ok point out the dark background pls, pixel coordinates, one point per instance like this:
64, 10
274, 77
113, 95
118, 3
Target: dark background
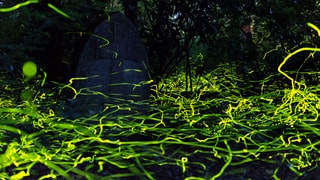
174, 32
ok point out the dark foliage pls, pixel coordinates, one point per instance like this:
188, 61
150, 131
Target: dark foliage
171, 29
38, 33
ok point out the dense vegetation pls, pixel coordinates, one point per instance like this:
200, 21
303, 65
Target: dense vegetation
38, 33
203, 121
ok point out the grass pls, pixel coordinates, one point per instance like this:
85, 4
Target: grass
223, 129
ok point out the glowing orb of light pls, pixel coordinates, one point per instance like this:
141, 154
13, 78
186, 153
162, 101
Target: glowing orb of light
29, 69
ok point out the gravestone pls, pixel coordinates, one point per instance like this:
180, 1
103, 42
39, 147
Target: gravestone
115, 64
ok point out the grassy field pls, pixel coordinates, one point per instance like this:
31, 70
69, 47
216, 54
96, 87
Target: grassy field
224, 129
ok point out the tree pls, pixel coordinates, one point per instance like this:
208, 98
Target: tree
170, 29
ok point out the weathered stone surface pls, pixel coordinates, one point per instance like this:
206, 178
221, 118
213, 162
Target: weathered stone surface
115, 61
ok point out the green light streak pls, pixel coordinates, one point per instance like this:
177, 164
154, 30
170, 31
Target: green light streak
26, 3
57, 169
44, 77
289, 56
107, 42
59, 11
228, 161
17, 6
314, 27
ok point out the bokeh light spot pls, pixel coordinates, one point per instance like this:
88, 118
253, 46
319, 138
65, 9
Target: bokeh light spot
29, 69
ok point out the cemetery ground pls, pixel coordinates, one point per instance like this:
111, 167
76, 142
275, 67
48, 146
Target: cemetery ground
226, 129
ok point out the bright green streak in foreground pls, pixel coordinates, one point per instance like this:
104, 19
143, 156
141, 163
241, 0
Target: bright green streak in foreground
17, 6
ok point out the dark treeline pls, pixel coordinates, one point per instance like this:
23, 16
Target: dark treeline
172, 30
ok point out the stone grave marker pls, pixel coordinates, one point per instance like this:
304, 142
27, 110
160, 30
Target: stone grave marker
115, 62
